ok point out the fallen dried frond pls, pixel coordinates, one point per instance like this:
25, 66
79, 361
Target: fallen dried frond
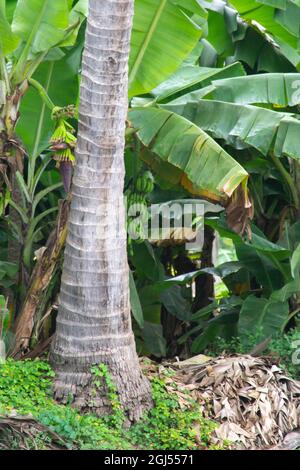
252, 398
25, 433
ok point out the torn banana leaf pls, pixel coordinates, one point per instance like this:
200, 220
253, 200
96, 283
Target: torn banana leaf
243, 126
182, 153
279, 89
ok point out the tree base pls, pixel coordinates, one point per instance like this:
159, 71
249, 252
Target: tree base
76, 384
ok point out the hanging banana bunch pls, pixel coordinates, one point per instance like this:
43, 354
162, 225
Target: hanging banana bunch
145, 183
137, 203
63, 143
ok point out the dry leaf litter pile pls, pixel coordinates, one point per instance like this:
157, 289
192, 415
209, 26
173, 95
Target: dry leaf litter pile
256, 404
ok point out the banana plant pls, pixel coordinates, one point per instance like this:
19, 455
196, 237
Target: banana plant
36, 45
253, 116
36, 34
263, 285
227, 109
41, 68
183, 153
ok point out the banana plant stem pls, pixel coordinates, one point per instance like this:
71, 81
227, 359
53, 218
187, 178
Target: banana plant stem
287, 178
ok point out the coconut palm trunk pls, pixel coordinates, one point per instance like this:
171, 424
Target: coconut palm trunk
94, 323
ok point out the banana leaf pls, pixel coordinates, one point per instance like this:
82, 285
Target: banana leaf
190, 77
242, 126
230, 35
76, 16
41, 23
277, 21
279, 89
184, 154
174, 23
281, 20
8, 40
263, 55
263, 317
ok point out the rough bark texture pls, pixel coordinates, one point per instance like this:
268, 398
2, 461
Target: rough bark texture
94, 323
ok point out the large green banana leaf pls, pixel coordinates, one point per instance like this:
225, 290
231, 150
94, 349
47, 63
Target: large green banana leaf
184, 154
164, 33
280, 19
41, 23
275, 19
8, 40
281, 89
190, 77
229, 35
186, 79
261, 316
243, 125
77, 14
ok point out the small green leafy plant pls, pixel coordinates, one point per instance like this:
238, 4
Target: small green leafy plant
101, 372
26, 388
169, 426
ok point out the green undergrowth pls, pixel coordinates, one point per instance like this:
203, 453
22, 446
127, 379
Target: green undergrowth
25, 388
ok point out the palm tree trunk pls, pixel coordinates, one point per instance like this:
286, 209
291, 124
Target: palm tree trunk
94, 323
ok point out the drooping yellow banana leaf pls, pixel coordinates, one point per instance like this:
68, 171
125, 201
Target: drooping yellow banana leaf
182, 153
